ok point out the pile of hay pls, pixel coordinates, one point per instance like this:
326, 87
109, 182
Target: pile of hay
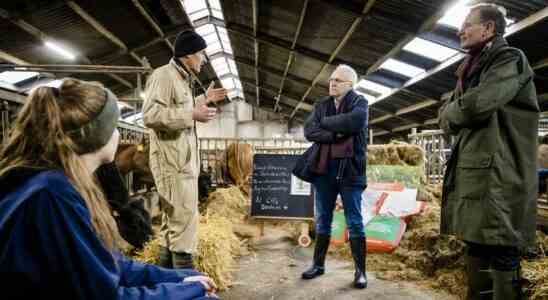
229, 203
240, 165
218, 244
217, 248
535, 271
395, 154
423, 255
150, 254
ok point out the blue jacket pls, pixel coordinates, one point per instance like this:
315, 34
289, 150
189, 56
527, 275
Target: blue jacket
48, 248
324, 127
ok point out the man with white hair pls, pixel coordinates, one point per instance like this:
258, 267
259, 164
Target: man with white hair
338, 126
490, 185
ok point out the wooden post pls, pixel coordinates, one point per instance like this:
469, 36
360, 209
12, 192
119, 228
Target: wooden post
304, 239
261, 226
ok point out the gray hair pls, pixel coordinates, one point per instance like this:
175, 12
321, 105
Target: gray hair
492, 12
350, 72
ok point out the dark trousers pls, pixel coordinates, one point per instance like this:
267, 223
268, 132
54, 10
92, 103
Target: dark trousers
501, 258
327, 188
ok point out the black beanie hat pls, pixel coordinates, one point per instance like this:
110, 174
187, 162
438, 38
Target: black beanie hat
188, 42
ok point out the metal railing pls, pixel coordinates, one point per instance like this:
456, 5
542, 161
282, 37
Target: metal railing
437, 151
213, 152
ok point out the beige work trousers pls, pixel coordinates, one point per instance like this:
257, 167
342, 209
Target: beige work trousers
180, 216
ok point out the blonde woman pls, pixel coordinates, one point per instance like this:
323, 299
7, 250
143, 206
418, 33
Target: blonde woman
56, 229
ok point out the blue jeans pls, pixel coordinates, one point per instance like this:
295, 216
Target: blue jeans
327, 188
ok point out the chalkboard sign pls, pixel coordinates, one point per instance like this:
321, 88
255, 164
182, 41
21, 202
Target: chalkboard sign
276, 193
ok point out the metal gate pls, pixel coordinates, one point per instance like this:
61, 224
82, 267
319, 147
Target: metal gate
437, 151
213, 152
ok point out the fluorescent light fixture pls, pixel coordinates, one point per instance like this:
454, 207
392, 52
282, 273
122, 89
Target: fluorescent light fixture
402, 68
429, 49
15, 77
142, 94
374, 87
60, 49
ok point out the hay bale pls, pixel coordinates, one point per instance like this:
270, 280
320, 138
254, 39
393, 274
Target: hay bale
396, 154
410, 176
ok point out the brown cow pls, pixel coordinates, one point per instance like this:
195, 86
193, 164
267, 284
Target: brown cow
135, 158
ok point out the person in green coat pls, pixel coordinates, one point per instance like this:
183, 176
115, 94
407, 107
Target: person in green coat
490, 184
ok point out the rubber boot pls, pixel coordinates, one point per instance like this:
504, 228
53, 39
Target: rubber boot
507, 285
320, 250
359, 251
480, 283
182, 260
165, 258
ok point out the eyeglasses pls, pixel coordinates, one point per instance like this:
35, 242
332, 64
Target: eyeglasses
337, 80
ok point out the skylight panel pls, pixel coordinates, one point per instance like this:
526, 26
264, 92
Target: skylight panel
205, 29
15, 77
215, 4
192, 6
198, 15
402, 68
374, 87
213, 48
455, 16
228, 83
429, 49
217, 14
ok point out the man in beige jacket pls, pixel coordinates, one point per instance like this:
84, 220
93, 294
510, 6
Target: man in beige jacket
170, 111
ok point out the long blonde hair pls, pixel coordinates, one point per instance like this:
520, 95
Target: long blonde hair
40, 138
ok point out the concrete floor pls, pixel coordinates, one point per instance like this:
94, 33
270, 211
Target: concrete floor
273, 272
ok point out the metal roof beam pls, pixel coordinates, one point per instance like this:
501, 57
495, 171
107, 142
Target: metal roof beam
282, 44
275, 72
38, 34
109, 58
427, 25
102, 30
446, 38
152, 23
12, 59
291, 100
404, 111
515, 28
291, 53
541, 64
339, 47
255, 8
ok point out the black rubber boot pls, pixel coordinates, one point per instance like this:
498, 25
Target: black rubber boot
480, 283
359, 247
182, 260
320, 250
165, 259
506, 285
